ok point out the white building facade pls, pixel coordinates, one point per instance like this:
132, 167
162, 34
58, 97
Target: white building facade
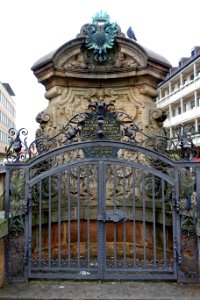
179, 95
7, 115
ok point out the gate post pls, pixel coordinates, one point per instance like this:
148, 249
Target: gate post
198, 218
3, 233
189, 269
15, 212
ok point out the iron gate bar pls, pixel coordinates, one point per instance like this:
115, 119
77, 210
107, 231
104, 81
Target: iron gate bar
101, 225
124, 206
59, 219
177, 222
78, 215
143, 219
49, 225
134, 217
174, 230
88, 215
154, 220
115, 225
69, 217
163, 222
40, 223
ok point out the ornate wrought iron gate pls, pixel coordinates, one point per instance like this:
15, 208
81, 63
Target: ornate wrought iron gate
101, 209
94, 218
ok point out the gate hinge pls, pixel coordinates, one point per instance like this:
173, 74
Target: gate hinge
116, 216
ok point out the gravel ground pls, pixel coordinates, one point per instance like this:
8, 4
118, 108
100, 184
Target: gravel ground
97, 290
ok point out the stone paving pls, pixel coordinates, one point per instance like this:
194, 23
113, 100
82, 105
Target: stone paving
97, 290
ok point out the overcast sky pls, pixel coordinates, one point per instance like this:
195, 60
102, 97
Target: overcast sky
31, 29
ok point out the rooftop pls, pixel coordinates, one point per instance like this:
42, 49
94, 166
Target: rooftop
183, 62
8, 88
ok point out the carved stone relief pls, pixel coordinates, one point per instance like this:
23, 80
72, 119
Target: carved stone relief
125, 61
65, 103
76, 62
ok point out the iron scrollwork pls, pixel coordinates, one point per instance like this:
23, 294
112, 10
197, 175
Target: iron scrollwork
101, 121
17, 149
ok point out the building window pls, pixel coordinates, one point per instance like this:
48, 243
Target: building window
4, 137
179, 110
198, 101
192, 52
7, 104
192, 77
184, 107
192, 104
6, 121
173, 112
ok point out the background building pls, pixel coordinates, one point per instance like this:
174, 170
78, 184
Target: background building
7, 115
179, 94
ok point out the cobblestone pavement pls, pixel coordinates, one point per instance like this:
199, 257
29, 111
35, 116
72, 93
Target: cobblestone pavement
97, 290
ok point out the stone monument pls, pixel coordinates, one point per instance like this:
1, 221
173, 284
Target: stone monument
100, 64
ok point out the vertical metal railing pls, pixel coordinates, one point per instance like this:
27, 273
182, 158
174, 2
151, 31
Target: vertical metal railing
134, 218
78, 218
69, 216
114, 206
59, 217
124, 209
144, 220
163, 222
88, 212
154, 223
40, 226
101, 225
49, 224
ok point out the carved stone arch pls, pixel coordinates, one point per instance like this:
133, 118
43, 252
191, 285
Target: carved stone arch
133, 50
66, 51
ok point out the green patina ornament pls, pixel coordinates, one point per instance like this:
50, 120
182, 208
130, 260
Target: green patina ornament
100, 36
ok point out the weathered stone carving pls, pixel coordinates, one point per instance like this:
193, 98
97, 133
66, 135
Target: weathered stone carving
125, 61
64, 104
76, 62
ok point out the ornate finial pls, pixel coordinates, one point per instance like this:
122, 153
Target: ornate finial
101, 17
14, 152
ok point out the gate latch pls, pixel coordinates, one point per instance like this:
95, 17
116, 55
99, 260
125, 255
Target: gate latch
116, 216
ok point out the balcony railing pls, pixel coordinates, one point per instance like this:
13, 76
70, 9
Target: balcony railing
179, 93
183, 117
